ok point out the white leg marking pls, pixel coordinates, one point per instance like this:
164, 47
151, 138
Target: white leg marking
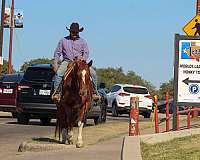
79, 138
83, 75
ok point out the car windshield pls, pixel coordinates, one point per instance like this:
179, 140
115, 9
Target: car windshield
11, 78
135, 90
39, 74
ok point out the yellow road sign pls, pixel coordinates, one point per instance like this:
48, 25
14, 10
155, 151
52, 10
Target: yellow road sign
192, 28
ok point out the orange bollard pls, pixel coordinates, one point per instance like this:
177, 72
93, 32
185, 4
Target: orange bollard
134, 116
167, 112
194, 112
177, 119
188, 118
156, 113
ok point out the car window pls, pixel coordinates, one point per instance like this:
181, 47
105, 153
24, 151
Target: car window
39, 74
135, 90
115, 88
11, 78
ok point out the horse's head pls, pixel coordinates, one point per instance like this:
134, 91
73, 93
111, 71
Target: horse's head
83, 77
78, 77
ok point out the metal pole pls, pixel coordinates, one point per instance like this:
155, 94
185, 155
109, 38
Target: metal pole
167, 112
198, 7
11, 39
1, 33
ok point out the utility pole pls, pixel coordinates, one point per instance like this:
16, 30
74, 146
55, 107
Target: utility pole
10, 69
198, 7
1, 34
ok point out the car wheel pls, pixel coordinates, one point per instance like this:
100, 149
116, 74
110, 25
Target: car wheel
147, 115
14, 114
103, 113
97, 120
85, 121
45, 121
114, 110
23, 118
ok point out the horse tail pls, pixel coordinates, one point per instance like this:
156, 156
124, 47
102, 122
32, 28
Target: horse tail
56, 129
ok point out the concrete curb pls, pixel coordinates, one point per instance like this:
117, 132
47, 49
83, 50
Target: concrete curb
167, 136
5, 114
131, 148
36, 147
131, 144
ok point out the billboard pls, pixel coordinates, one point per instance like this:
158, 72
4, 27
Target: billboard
187, 70
7, 17
18, 18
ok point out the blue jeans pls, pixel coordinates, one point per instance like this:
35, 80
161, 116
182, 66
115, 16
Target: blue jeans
62, 69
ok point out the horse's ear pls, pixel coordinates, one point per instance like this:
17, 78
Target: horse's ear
90, 63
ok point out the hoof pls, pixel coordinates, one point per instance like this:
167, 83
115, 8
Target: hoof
79, 145
70, 142
63, 142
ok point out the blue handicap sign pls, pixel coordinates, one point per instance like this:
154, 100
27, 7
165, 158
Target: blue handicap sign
194, 88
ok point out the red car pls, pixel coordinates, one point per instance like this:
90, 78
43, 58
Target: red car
8, 92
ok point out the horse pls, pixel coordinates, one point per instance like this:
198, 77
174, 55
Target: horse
77, 89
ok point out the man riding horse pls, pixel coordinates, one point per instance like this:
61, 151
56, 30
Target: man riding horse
70, 48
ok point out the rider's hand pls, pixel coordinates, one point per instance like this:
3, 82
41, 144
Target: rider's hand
55, 69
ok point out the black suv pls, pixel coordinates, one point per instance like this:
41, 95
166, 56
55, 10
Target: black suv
34, 97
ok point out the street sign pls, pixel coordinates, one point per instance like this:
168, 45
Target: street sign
187, 70
192, 28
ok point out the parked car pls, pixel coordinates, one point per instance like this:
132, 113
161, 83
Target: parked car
162, 106
8, 92
118, 99
35, 90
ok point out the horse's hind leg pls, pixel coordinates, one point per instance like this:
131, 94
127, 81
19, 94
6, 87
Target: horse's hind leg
79, 143
70, 136
64, 135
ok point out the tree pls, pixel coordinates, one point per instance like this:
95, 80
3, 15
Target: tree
35, 61
111, 76
166, 87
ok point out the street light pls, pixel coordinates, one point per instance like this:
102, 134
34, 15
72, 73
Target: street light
1, 34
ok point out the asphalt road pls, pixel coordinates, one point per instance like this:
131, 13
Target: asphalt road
12, 134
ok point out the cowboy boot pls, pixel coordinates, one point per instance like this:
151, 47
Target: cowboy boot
56, 96
95, 96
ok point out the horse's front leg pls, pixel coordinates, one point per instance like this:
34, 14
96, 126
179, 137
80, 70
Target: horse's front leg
79, 142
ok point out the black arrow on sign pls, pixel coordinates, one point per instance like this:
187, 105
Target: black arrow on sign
187, 81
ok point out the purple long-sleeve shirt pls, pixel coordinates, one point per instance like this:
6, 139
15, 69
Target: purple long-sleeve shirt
70, 49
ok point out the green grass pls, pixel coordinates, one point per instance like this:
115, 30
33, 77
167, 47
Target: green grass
96, 134
187, 148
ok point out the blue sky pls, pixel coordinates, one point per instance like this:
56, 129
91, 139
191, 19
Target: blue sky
136, 35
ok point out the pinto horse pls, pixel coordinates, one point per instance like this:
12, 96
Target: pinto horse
76, 99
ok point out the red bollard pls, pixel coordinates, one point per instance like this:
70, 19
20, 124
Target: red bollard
188, 118
156, 113
134, 117
194, 112
177, 119
167, 112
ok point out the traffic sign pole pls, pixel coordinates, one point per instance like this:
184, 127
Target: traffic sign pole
198, 7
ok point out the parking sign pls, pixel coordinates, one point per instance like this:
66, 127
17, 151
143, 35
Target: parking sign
187, 70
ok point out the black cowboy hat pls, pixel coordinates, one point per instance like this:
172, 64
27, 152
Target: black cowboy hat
75, 27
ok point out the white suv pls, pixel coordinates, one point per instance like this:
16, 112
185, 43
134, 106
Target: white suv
118, 99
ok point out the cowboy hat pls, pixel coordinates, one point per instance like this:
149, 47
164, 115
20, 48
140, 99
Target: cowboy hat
75, 27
